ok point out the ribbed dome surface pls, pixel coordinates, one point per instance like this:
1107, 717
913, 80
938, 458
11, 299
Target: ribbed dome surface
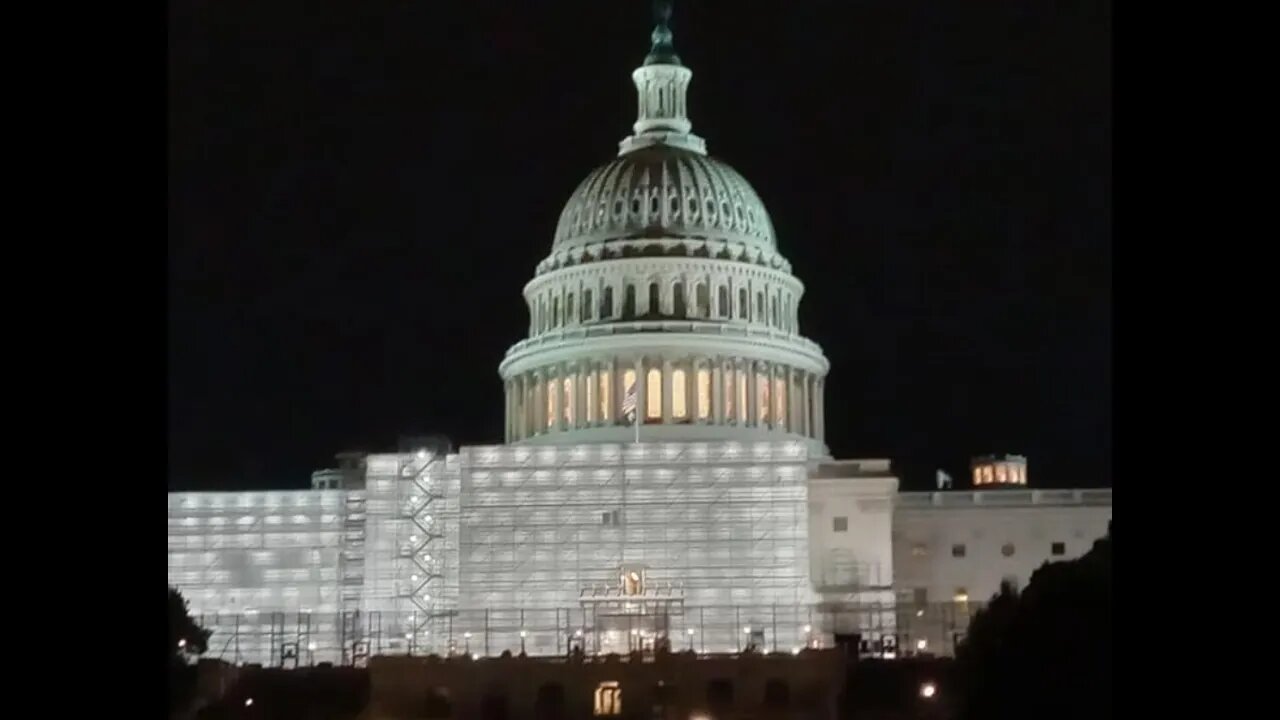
664, 192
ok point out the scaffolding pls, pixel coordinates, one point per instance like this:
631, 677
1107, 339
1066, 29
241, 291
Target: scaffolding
299, 639
714, 524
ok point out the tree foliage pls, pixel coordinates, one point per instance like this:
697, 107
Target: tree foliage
186, 639
1044, 653
185, 636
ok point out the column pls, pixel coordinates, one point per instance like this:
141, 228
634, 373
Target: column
521, 407
509, 412
752, 414
667, 389
642, 390
819, 421
804, 405
716, 367
558, 388
539, 405
619, 387
580, 394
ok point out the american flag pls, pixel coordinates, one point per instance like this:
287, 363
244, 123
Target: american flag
629, 401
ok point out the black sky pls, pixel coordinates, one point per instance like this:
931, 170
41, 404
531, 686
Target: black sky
359, 191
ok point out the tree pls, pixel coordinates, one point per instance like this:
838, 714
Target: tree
186, 638
1044, 653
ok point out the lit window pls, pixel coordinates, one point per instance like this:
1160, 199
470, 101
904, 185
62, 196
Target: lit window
977, 476
605, 394
1058, 548
957, 550
762, 397
608, 699
568, 400
961, 596
1002, 474
1007, 550
551, 404
780, 401
704, 393
653, 394
840, 524
679, 391
986, 473
591, 394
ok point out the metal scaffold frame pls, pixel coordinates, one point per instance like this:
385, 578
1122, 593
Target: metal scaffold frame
720, 523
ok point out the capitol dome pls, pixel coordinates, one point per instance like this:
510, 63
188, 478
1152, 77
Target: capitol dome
665, 192
664, 311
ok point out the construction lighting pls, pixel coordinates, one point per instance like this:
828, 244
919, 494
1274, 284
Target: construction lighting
928, 690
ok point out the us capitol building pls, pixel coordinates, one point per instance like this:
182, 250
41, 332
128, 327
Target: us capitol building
664, 477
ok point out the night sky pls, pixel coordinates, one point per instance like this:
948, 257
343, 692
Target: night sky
359, 191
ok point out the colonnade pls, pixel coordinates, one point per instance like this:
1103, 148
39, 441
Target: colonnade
686, 390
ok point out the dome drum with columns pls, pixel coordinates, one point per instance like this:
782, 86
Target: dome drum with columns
665, 279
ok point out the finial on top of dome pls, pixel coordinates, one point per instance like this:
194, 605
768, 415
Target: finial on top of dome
662, 52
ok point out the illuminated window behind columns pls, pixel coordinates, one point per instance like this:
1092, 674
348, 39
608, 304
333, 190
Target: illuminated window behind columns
569, 404
704, 393
762, 395
727, 393
653, 394
977, 476
608, 700
551, 403
780, 399
744, 411
679, 394
606, 394
592, 415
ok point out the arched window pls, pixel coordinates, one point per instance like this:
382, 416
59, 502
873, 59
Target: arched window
722, 297
568, 310
555, 312
677, 299
704, 393
743, 305
629, 303
655, 299
759, 307
679, 394
703, 308
653, 395
588, 306
606, 304
773, 310
608, 699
